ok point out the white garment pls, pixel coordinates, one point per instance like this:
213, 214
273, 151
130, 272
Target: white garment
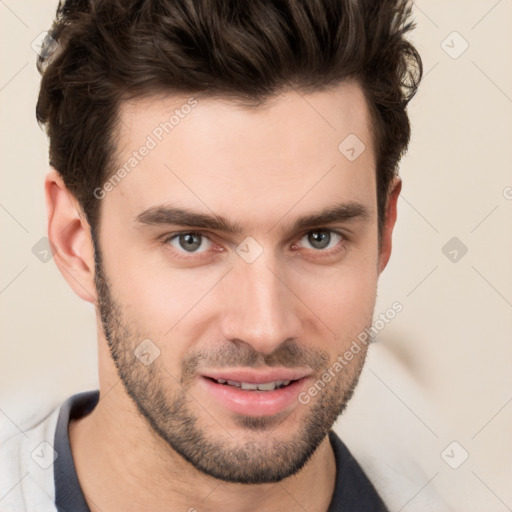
26, 466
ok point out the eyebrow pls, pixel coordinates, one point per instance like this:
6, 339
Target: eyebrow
170, 215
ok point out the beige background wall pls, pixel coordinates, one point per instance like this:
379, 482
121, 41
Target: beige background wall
441, 370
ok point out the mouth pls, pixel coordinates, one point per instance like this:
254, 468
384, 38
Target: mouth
255, 393
251, 386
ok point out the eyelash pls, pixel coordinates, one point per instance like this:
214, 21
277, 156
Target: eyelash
193, 255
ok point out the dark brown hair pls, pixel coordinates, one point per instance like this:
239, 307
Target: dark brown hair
109, 51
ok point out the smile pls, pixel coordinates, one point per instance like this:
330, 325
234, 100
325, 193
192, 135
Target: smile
254, 391
264, 386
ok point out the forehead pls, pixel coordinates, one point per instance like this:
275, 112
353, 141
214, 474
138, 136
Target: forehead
296, 151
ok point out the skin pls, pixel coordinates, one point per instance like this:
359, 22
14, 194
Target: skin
261, 168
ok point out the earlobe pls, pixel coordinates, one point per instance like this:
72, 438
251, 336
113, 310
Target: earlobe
69, 234
389, 222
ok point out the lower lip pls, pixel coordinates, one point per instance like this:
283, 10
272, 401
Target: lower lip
254, 403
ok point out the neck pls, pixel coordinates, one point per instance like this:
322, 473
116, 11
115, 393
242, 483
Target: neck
149, 475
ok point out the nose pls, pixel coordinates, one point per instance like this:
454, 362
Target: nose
261, 308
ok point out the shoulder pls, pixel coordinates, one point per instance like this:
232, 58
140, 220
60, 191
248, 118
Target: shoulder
27, 455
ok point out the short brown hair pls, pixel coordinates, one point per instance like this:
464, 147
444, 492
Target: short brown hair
244, 50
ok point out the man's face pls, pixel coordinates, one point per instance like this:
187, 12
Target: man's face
269, 303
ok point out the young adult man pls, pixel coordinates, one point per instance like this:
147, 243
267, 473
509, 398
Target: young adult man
223, 189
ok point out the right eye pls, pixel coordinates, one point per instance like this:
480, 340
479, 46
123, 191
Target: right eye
187, 241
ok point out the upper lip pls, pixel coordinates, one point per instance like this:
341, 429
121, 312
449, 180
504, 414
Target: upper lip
253, 376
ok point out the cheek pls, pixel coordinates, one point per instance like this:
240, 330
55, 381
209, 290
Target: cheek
343, 298
157, 298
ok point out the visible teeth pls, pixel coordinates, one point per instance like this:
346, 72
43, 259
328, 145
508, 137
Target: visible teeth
246, 385
265, 386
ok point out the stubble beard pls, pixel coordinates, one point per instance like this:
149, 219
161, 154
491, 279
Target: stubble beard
264, 459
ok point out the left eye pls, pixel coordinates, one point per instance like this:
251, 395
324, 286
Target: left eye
321, 238
189, 242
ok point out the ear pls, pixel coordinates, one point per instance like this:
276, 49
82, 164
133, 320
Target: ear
70, 237
389, 222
